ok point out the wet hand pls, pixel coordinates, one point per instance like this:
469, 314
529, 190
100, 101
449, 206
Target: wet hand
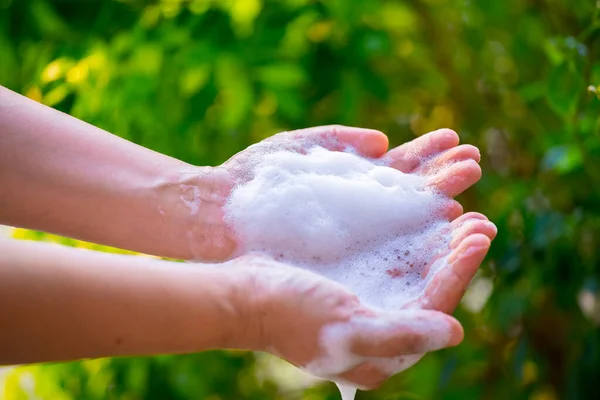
204, 191
319, 325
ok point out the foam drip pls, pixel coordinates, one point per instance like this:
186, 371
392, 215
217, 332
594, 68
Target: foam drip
354, 220
347, 392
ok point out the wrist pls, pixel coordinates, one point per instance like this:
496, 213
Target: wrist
191, 201
239, 311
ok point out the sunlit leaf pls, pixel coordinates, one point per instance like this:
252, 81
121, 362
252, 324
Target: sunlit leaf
56, 95
282, 75
193, 80
236, 92
147, 59
56, 70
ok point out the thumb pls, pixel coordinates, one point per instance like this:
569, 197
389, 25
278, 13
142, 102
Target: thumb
367, 142
414, 331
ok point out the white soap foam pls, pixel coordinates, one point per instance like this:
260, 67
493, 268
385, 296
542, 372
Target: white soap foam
347, 392
367, 226
354, 220
338, 358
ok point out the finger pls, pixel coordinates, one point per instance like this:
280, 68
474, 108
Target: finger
372, 374
408, 156
405, 332
451, 156
472, 227
366, 376
452, 211
449, 284
367, 142
456, 223
457, 178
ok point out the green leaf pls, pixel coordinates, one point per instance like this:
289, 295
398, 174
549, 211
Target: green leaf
56, 95
594, 90
193, 80
282, 75
564, 88
237, 94
533, 91
562, 159
147, 59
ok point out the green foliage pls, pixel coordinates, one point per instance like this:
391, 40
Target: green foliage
200, 80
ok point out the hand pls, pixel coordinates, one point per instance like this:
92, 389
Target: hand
291, 311
449, 168
471, 234
204, 191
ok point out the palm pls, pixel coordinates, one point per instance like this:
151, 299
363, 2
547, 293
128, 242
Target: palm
213, 238
292, 307
448, 168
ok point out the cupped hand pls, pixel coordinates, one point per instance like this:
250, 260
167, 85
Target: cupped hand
320, 326
449, 168
205, 191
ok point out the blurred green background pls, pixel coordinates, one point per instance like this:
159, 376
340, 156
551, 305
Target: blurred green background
201, 80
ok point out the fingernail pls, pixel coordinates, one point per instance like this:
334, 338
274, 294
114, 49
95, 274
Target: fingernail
457, 335
493, 226
447, 135
373, 143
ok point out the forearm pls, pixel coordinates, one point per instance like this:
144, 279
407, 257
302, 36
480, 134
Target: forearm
59, 303
61, 175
